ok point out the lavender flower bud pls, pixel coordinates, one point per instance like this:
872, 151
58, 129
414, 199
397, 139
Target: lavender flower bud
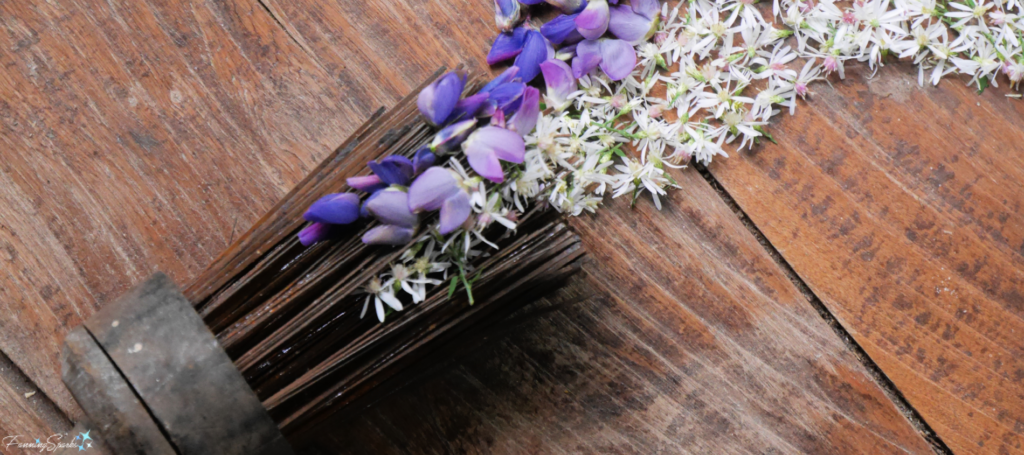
438, 99
452, 135
506, 14
340, 208
393, 170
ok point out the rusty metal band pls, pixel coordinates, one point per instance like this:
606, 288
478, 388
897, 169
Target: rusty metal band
150, 375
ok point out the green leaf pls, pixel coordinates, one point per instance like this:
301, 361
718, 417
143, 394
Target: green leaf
983, 84
452, 286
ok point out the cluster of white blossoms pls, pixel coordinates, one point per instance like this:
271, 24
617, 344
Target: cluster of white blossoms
715, 73
712, 74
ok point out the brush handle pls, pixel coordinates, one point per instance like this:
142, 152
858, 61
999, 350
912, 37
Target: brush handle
152, 379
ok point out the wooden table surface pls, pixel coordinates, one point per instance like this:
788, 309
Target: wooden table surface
856, 288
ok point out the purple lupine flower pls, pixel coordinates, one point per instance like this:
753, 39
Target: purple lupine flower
560, 83
525, 119
316, 232
535, 50
393, 170
338, 208
593, 21
398, 223
588, 57
507, 45
439, 189
452, 135
487, 146
438, 99
422, 160
628, 25
505, 77
506, 14
561, 29
366, 183
616, 57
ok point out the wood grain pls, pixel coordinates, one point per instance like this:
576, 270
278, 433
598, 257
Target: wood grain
684, 337
901, 208
140, 136
27, 412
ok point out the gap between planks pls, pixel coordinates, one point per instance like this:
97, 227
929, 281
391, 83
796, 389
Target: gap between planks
883, 381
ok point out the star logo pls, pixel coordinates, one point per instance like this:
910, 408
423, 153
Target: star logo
85, 436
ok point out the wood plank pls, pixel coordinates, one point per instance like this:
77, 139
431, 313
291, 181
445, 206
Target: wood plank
901, 208
27, 411
141, 136
684, 336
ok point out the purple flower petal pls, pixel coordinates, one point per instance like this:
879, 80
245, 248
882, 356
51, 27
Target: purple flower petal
593, 21
388, 235
454, 212
452, 135
339, 208
469, 107
506, 46
366, 183
393, 170
422, 160
437, 100
507, 96
617, 58
646, 8
392, 207
525, 119
315, 232
507, 76
559, 28
486, 163
506, 14
431, 188
489, 144
588, 56
535, 50
560, 82
531, 2
629, 26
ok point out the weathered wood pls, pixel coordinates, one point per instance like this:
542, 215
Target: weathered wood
684, 337
901, 208
135, 137
27, 411
116, 414
176, 367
